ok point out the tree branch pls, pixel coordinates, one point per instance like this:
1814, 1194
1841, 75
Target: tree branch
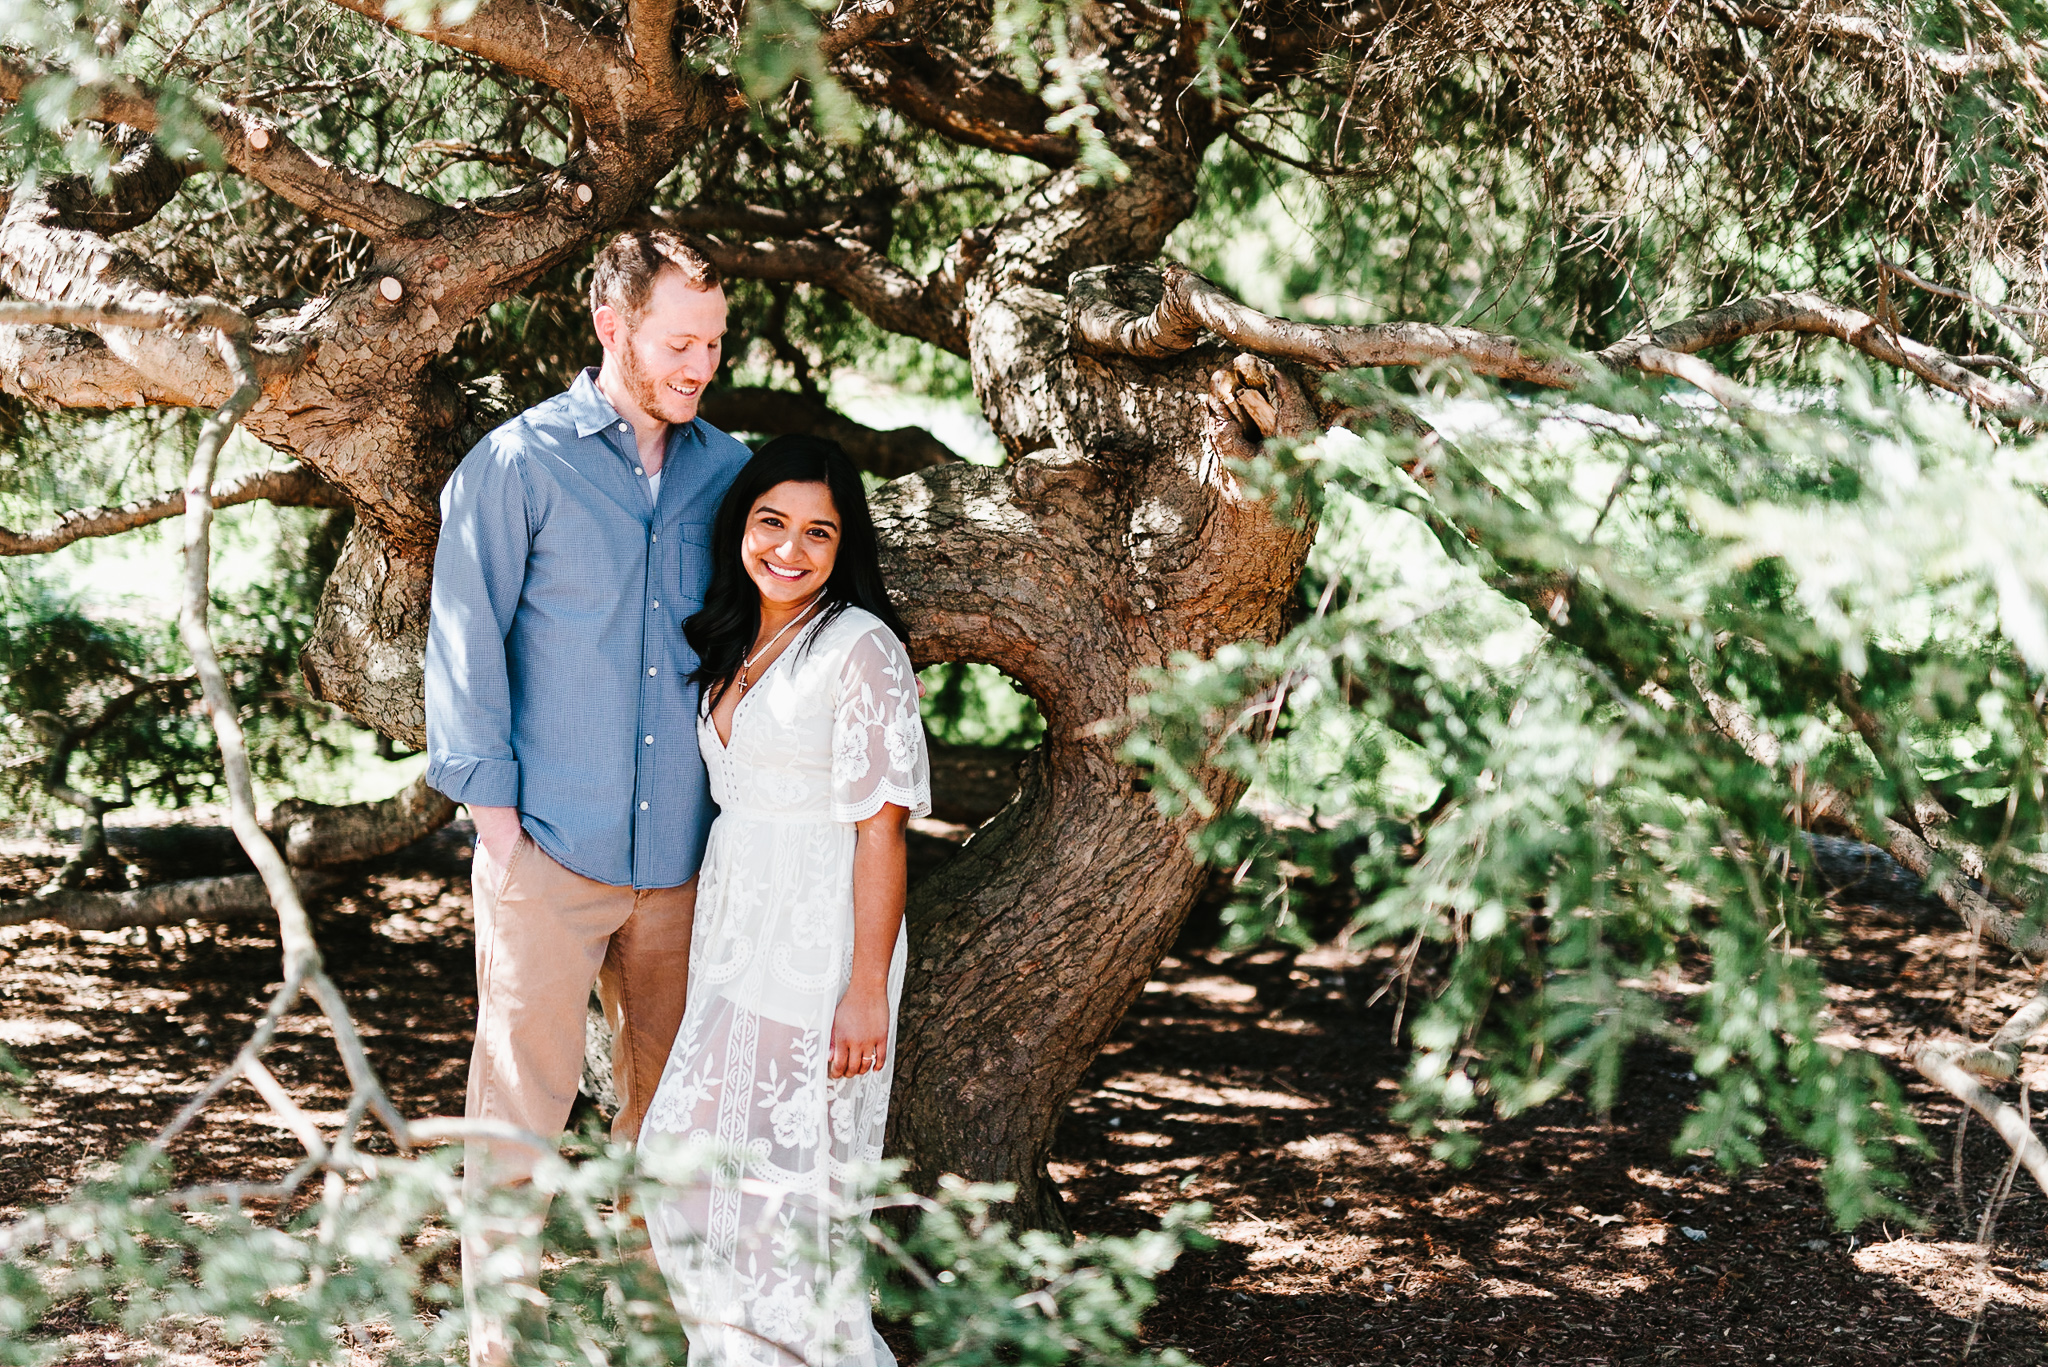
60, 367
860, 23
303, 970
1876, 33
866, 220
70, 276
537, 40
174, 315
927, 308
749, 219
1183, 305
1799, 311
141, 181
978, 108
776, 412
257, 147
294, 486
1948, 292
1136, 311
651, 37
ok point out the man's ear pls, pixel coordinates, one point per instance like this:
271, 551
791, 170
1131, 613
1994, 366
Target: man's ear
610, 334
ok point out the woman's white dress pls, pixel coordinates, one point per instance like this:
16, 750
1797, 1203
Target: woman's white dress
756, 1252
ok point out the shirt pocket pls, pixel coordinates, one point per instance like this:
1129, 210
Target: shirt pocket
693, 564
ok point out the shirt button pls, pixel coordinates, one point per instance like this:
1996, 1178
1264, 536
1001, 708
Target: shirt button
625, 426
657, 602
643, 806
639, 470
650, 740
655, 537
650, 671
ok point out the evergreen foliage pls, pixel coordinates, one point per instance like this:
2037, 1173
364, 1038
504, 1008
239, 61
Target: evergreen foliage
361, 1267
1499, 710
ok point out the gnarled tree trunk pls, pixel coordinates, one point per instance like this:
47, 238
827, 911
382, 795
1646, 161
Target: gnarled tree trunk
1116, 537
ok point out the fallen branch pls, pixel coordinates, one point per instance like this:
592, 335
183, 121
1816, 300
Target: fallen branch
1983, 916
237, 897
318, 836
1937, 1062
1920, 851
314, 837
294, 486
2000, 1058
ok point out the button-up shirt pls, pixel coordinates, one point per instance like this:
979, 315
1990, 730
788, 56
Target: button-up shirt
556, 665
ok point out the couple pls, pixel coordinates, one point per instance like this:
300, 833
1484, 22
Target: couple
638, 626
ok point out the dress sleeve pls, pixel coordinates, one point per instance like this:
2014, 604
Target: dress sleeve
878, 748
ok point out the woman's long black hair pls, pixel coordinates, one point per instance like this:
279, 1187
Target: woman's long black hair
723, 632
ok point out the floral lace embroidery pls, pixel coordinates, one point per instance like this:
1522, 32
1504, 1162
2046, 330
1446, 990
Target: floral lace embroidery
758, 1253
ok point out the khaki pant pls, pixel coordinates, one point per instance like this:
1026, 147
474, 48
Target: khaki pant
544, 936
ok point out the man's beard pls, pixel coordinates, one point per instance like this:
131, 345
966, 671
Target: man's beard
655, 400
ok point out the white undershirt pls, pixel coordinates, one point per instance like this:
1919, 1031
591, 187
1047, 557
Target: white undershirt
654, 485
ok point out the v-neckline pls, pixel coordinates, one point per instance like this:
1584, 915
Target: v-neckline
725, 741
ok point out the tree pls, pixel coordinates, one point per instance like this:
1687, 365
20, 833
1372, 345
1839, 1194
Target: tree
397, 201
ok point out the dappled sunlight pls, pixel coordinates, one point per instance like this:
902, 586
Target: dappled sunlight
1574, 1237
1952, 1277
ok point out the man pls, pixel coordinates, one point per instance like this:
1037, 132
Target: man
574, 541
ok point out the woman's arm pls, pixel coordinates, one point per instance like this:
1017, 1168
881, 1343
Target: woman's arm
860, 1027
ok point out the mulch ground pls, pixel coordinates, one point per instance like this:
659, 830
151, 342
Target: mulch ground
1261, 1084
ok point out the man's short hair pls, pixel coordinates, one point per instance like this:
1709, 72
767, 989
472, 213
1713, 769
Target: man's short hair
624, 273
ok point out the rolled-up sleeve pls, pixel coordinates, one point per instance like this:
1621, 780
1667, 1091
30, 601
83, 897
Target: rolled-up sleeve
479, 572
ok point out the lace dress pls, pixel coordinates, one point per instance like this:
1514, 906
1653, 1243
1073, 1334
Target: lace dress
757, 1252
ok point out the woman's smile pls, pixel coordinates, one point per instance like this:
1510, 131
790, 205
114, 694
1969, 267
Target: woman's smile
791, 539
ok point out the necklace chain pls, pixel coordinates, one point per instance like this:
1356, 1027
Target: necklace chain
748, 662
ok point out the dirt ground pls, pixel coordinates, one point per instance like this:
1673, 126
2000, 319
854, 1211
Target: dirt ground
1262, 1085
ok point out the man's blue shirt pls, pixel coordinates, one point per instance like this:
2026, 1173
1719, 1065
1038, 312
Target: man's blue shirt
556, 663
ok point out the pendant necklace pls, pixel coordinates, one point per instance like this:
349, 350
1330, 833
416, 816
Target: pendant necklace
748, 663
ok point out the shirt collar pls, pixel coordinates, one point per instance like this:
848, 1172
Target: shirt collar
592, 412
589, 409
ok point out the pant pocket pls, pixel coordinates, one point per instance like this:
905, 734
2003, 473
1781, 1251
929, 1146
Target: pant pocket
519, 847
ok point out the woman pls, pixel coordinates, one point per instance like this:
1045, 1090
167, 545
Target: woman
809, 727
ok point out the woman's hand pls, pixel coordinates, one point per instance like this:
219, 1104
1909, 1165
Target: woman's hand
860, 1031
